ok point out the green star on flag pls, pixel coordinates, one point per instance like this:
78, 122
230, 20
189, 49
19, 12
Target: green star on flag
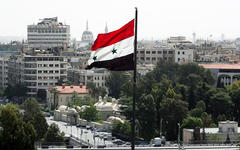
95, 58
114, 51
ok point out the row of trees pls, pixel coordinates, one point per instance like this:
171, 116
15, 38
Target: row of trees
21, 127
172, 94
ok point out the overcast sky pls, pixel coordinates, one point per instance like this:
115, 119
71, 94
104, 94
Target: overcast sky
158, 19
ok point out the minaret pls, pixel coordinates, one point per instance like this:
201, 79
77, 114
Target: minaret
87, 26
106, 28
194, 37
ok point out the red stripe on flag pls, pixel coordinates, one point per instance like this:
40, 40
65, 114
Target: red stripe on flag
107, 39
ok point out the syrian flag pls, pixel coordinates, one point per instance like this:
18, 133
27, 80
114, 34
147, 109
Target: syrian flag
114, 50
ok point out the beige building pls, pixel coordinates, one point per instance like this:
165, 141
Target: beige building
216, 135
65, 94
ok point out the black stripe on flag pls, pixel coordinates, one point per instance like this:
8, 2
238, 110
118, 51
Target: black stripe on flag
118, 64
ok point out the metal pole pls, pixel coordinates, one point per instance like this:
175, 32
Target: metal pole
178, 135
134, 82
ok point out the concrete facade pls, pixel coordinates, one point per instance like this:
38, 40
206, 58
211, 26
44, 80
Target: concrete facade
48, 33
39, 71
3, 72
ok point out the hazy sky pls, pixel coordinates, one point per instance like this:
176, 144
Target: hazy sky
158, 19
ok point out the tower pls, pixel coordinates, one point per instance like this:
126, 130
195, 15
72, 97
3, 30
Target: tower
194, 37
87, 26
222, 37
106, 28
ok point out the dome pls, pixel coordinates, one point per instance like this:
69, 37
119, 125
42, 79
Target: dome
87, 33
104, 106
62, 108
112, 119
72, 111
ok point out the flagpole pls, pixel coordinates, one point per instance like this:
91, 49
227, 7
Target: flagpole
134, 82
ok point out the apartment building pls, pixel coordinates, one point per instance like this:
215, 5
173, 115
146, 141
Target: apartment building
15, 69
37, 72
97, 76
3, 72
43, 71
48, 33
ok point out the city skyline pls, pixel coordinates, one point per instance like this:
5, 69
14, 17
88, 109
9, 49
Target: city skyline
157, 19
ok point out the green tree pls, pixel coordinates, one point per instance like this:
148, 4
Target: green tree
55, 93
122, 129
95, 91
146, 116
192, 122
220, 103
200, 108
173, 110
33, 115
234, 93
15, 134
207, 119
90, 114
18, 90
54, 136
42, 94
114, 83
80, 101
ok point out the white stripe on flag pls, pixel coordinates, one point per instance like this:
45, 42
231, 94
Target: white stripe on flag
123, 48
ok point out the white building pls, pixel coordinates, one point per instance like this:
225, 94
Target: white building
97, 76
3, 72
226, 129
48, 33
183, 55
43, 71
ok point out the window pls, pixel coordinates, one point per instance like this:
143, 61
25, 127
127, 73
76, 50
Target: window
56, 65
51, 71
39, 84
153, 58
50, 65
164, 52
45, 65
178, 59
159, 52
170, 52
45, 71
141, 52
178, 53
142, 58
45, 84
183, 52
147, 52
153, 52
56, 71
147, 58
39, 71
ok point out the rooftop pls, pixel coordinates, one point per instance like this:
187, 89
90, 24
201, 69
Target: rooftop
220, 66
81, 89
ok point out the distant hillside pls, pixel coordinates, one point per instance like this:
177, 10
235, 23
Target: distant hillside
7, 39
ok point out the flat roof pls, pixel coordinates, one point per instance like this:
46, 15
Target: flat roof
220, 66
